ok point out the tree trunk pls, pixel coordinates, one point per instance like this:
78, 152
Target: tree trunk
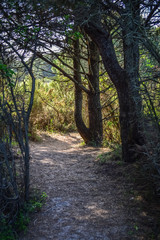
131, 132
94, 105
93, 134
132, 97
81, 127
127, 89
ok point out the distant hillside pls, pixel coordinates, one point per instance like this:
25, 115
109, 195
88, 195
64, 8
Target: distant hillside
42, 69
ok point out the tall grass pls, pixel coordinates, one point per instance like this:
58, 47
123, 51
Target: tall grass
53, 108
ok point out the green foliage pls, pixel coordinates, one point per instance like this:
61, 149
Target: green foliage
10, 231
110, 112
6, 231
6, 71
21, 222
115, 155
36, 202
74, 34
53, 107
34, 205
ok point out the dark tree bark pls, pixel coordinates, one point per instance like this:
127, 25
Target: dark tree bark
81, 127
126, 85
132, 96
94, 105
94, 133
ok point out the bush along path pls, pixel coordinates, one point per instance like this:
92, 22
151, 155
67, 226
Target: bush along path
85, 201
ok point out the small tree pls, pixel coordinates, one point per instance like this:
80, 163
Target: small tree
16, 100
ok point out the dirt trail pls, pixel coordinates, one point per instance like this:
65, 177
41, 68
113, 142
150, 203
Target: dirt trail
83, 203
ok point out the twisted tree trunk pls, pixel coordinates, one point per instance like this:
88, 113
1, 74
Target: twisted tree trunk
94, 133
94, 105
126, 83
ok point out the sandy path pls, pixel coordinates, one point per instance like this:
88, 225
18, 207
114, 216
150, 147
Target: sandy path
83, 203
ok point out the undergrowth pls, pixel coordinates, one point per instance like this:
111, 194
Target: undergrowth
139, 189
11, 230
53, 108
114, 155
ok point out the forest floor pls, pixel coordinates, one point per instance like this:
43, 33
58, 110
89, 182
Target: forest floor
86, 200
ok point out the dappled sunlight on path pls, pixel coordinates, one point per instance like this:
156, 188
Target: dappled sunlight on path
82, 203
